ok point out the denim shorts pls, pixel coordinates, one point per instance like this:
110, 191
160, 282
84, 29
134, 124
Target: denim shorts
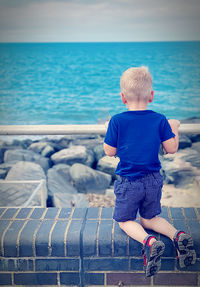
143, 194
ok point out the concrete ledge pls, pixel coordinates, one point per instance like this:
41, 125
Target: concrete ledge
80, 247
75, 129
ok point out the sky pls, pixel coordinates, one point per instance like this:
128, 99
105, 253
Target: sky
99, 20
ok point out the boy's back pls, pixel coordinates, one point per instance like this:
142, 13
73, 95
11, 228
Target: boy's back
137, 135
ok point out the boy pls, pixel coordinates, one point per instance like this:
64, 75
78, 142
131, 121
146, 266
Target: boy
135, 136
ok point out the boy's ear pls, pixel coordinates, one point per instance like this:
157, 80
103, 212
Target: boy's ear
123, 98
151, 97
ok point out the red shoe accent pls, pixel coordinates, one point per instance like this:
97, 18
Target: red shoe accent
146, 242
145, 260
181, 232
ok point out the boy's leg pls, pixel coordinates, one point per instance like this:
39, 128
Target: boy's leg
135, 230
183, 242
159, 225
152, 248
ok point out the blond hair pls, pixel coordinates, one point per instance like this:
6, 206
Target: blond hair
136, 84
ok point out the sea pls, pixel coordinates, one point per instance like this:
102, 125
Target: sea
79, 83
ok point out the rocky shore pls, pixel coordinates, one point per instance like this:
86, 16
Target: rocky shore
78, 173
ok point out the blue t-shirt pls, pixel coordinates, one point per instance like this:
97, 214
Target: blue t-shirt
137, 135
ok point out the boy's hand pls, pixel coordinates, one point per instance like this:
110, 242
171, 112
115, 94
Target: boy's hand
107, 123
174, 123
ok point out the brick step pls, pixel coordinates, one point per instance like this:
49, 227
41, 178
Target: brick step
85, 246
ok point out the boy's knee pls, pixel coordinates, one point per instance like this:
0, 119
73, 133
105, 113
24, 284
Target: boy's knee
145, 222
121, 225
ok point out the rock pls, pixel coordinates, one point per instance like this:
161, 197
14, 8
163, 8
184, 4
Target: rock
192, 156
89, 142
47, 151
63, 170
98, 152
21, 194
196, 146
70, 200
194, 137
4, 146
88, 180
59, 144
25, 171
26, 155
108, 164
180, 178
42, 148
7, 166
184, 142
178, 172
71, 155
57, 183
3, 173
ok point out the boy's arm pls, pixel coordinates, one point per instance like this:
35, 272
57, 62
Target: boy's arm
109, 150
171, 145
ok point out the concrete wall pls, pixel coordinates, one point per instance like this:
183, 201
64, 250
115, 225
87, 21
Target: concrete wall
84, 246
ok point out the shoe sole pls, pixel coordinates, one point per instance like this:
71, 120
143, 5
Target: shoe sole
154, 263
186, 248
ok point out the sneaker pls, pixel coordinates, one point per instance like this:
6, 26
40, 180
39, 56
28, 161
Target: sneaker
152, 255
184, 245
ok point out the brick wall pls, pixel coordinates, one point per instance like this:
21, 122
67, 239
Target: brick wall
80, 247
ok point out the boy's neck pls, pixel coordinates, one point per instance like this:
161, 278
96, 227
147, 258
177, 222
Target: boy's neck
137, 106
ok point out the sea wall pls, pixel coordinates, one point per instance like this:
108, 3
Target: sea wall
75, 165
85, 247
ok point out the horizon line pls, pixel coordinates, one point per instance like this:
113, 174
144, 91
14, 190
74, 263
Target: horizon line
95, 42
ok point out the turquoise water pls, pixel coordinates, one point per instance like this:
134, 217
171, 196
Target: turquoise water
78, 83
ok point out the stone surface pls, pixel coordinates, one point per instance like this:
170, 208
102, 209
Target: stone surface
18, 194
184, 142
88, 180
108, 164
63, 170
58, 183
70, 155
7, 166
26, 171
26, 155
3, 173
98, 152
192, 156
42, 148
196, 146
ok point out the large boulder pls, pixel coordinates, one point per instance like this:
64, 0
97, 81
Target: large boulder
42, 148
26, 155
88, 180
26, 171
61, 189
21, 194
73, 155
196, 146
7, 165
184, 142
98, 152
192, 156
177, 171
57, 182
108, 164
3, 173
63, 170
58, 143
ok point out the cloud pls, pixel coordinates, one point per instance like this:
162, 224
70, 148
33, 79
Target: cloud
111, 20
